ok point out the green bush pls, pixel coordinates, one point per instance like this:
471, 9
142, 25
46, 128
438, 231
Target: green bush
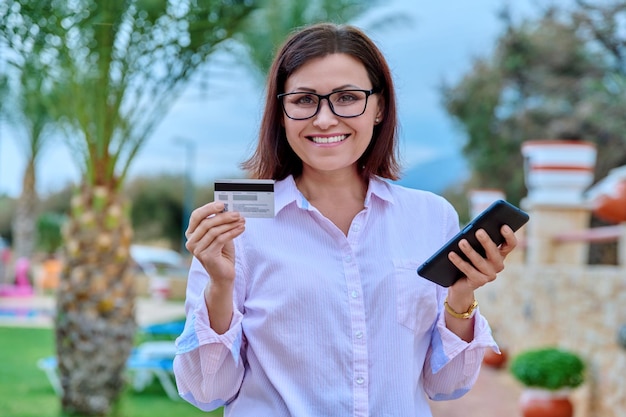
49, 236
549, 368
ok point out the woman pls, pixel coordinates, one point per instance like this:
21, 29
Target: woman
319, 311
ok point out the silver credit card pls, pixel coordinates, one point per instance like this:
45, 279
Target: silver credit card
251, 198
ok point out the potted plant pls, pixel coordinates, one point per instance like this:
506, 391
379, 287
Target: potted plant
494, 359
548, 374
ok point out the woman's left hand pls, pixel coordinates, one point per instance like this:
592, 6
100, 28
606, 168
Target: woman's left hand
482, 270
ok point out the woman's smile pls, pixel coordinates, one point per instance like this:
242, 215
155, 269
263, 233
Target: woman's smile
326, 139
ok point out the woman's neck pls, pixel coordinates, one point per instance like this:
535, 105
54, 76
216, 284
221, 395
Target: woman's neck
339, 197
332, 186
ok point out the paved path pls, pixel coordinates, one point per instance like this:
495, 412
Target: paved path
495, 394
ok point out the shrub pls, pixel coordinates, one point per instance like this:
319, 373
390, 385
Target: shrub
549, 368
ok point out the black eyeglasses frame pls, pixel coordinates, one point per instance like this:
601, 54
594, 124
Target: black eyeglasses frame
326, 97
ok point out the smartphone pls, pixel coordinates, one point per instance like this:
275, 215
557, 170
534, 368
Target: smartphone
438, 267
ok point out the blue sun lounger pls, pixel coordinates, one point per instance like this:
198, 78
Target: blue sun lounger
148, 361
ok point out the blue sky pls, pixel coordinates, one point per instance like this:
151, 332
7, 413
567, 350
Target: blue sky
222, 123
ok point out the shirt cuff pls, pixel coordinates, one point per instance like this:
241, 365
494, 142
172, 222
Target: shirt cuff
450, 345
198, 332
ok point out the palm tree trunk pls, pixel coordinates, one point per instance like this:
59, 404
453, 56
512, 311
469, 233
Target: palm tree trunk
95, 323
25, 213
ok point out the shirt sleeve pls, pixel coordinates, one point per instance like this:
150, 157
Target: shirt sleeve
208, 366
452, 364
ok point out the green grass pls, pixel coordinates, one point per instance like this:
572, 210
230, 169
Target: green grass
26, 392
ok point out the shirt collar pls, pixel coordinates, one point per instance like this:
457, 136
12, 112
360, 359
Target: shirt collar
286, 192
380, 188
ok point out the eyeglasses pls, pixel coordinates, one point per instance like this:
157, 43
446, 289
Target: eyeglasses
343, 103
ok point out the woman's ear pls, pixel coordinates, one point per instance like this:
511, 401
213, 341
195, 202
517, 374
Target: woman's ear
380, 110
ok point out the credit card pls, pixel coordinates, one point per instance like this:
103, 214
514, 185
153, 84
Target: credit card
251, 198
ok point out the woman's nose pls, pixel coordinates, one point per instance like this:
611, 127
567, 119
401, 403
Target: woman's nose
325, 116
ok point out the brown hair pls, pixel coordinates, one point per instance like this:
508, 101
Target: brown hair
273, 157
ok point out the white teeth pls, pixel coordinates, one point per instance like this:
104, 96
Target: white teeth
331, 139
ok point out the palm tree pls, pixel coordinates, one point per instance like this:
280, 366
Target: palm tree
32, 114
269, 25
120, 66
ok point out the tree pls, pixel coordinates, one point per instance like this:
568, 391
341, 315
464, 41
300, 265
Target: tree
268, 26
157, 207
36, 120
603, 29
560, 76
120, 66
24, 107
49, 226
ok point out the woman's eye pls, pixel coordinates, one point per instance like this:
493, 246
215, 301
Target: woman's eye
304, 100
346, 98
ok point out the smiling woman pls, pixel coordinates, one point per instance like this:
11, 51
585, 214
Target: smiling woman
328, 286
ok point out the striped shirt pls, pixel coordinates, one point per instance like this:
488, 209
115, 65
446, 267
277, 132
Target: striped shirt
329, 325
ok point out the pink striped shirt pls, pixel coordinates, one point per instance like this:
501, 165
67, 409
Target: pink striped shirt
328, 325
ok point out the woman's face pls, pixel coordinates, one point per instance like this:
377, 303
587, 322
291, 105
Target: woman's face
327, 142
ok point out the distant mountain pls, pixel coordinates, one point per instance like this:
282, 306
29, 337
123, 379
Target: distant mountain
436, 175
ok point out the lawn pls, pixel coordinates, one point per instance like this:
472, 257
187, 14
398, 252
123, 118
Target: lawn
26, 392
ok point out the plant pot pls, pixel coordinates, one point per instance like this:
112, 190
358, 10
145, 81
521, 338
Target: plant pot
558, 171
543, 403
495, 360
612, 207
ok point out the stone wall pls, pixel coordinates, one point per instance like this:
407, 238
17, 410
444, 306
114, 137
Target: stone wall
578, 307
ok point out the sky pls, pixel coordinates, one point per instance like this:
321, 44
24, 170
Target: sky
207, 134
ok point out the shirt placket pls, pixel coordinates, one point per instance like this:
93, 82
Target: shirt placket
360, 376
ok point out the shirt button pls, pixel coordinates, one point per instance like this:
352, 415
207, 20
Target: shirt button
354, 294
356, 228
359, 335
348, 259
360, 380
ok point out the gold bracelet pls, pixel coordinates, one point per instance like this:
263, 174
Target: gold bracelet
467, 315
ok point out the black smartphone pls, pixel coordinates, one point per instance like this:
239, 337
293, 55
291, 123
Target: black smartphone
438, 267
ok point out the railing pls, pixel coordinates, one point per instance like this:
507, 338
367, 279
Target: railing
603, 234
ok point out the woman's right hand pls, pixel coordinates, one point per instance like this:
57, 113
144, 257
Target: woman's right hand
210, 237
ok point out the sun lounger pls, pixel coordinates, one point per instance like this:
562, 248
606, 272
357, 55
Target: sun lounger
169, 329
49, 366
148, 361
